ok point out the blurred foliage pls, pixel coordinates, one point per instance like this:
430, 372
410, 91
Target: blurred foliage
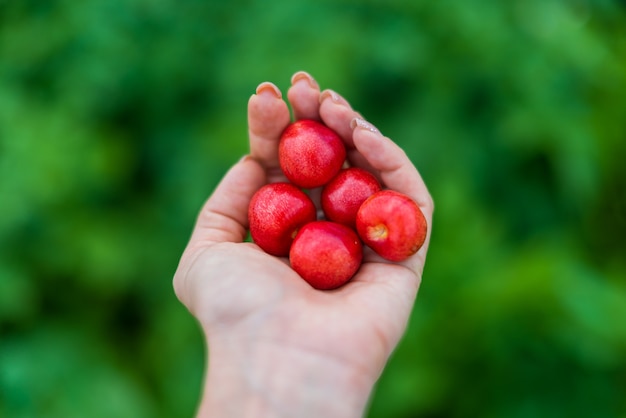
118, 117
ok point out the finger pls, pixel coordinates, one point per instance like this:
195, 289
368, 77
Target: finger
268, 116
356, 159
224, 217
394, 166
336, 113
304, 96
397, 172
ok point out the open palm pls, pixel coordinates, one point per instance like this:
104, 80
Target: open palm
252, 305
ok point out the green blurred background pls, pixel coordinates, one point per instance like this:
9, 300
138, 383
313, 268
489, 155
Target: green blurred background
118, 117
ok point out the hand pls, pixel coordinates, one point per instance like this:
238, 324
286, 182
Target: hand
278, 347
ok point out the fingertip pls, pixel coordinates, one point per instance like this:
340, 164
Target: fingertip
337, 113
396, 170
303, 95
333, 96
268, 116
308, 78
224, 216
371, 143
268, 88
359, 122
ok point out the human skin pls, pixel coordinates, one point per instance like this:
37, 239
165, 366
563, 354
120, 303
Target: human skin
277, 347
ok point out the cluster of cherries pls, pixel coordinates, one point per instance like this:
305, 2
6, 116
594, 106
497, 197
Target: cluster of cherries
328, 251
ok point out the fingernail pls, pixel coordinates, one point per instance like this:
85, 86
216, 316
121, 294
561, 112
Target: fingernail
303, 75
362, 123
330, 93
245, 158
269, 88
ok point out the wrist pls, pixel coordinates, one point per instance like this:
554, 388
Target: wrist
269, 379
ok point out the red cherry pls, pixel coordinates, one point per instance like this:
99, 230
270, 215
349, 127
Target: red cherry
276, 213
310, 153
344, 194
326, 254
392, 225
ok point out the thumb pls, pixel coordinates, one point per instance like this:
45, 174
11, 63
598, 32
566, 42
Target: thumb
224, 217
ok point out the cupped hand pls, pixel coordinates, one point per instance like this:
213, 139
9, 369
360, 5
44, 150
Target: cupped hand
257, 312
